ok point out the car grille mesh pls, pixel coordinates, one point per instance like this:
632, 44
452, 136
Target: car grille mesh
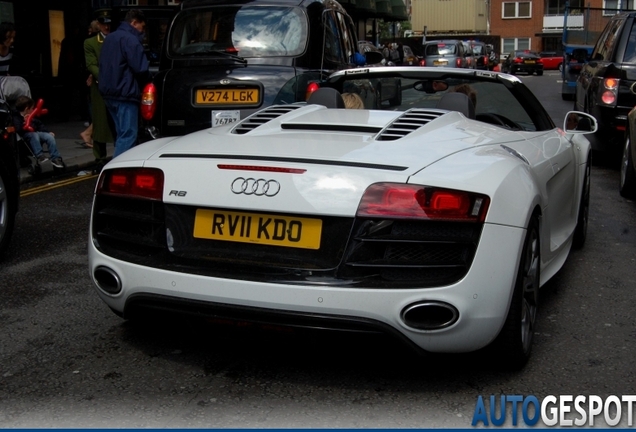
408, 122
354, 252
414, 254
262, 117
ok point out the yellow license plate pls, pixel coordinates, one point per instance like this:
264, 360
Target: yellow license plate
227, 96
529, 62
440, 62
257, 228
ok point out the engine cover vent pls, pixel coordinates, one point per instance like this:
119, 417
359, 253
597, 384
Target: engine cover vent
261, 117
408, 122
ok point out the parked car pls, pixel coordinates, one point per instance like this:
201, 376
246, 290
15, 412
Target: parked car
222, 61
574, 57
469, 55
444, 53
9, 175
435, 221
603, 86
551, 60
627, 186
480, 53
522, 61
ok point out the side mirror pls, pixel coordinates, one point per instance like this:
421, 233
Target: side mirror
577, 122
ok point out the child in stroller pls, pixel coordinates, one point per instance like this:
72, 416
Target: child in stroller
12, 88
35, 134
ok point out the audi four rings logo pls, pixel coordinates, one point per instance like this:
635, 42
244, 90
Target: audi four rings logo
258, 187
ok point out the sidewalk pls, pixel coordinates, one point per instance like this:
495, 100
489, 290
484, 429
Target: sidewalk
69, 143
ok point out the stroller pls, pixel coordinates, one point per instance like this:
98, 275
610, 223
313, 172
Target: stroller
12, 87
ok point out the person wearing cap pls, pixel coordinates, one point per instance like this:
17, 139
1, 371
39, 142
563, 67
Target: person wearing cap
102, 131
123, 70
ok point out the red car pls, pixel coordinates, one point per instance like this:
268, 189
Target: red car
551, 60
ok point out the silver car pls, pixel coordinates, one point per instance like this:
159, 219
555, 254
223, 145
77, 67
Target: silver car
445, 53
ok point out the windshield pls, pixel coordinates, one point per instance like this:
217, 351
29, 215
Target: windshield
248, 31
441, 49
478, 49
491, 98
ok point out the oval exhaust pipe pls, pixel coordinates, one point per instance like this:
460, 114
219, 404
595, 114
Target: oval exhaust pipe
429, 315
107, 280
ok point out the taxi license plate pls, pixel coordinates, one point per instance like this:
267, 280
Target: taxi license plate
440, 62
220, 118
226, 96
529, 62
257, 228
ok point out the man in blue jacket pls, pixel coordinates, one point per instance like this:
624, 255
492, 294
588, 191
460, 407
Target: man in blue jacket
123, 69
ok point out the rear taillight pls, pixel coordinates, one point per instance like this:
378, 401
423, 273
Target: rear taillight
132, 182
458, 62
403, 201
311, 87
422, 62
148, 101
609, 91
518, 60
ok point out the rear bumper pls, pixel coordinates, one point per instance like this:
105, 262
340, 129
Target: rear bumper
481, 298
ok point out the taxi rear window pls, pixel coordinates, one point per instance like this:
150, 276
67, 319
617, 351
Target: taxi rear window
248, 31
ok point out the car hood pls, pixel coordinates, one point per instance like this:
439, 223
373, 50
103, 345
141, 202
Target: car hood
342, 150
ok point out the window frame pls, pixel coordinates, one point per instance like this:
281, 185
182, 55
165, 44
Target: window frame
516, 15
516, 46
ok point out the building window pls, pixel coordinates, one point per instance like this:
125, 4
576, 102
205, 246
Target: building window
516, 10
133, 2
557, 7
612, 7
513, 44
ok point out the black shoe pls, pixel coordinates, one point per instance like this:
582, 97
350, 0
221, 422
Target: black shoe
57, 163
42, 158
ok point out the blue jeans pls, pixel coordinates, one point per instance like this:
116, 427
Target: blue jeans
36, 139
126, 118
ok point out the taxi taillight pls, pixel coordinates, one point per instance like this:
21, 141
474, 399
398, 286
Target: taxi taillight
148, 101
311, 87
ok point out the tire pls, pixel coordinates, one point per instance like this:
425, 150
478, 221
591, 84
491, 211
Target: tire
580, 231
513, 345
627, 186
8, 210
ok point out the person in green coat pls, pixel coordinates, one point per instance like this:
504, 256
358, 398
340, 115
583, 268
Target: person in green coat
102, 124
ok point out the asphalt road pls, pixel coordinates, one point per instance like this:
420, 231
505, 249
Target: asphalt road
67, 361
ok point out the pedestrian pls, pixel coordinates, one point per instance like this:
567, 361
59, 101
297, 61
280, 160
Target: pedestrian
24, 106
102, 127
72, 75
7, 37
123, 69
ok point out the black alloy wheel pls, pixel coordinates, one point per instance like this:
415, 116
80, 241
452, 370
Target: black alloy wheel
580, 231
513, 345
7, 213
628, 178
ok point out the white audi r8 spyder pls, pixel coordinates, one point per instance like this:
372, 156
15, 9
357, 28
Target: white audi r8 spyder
434, 218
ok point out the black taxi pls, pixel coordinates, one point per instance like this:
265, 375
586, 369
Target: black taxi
223, 60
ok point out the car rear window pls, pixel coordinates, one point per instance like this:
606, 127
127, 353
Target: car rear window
441, 49
478, 49
249, 31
